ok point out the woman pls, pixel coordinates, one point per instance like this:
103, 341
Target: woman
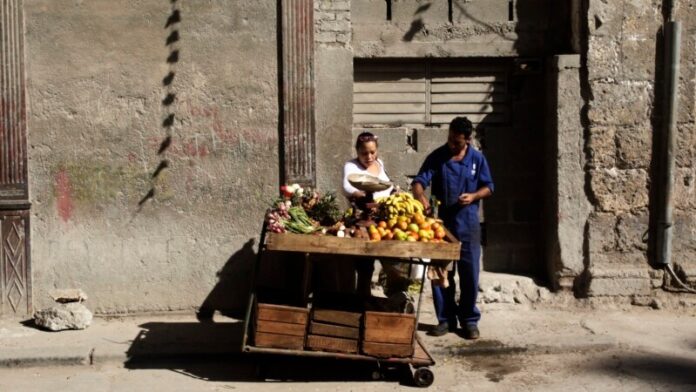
367, 162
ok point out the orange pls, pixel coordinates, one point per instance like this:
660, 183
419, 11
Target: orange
382, 224
435, 225
403, 225
375, 236
413, 235
440, 233
424, 226
389, 236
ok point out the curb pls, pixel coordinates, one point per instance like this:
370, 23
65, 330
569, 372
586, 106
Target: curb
47, 357
85, 356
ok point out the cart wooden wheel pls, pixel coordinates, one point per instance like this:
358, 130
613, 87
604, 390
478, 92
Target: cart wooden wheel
423, 377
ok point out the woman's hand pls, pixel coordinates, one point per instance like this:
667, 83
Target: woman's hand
358, 194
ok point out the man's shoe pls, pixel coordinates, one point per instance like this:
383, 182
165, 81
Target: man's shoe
439, 330
471, 332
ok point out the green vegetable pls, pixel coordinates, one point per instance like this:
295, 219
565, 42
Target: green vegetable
299, 222
326, 210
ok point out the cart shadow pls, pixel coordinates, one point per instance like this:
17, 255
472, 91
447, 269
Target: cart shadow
231, 292
212, 352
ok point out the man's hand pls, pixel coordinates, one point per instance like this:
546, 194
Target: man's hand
419, 194
467, 198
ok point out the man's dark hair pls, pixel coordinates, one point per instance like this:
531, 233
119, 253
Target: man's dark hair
461, 126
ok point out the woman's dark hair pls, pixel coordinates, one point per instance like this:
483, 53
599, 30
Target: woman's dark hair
365, 137
461, 126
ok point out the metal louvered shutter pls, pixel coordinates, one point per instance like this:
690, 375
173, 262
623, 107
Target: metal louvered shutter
427, 93
389, 93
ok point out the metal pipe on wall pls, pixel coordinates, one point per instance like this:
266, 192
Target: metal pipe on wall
665, 180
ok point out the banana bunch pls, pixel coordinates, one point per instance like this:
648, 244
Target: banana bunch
399, 204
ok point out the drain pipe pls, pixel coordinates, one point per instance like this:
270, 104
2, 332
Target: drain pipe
665, 180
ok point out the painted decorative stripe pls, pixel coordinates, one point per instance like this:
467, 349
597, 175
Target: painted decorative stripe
13, 151
298, 91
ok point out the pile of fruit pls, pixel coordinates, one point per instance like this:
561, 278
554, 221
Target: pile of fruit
398, 204
397, 217
405, 228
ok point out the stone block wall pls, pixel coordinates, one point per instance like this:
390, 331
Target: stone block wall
332, 22
624, 64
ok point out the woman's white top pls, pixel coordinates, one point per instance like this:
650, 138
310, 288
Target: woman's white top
354, 166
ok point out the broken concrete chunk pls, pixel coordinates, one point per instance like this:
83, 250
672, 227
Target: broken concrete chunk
68, 295
73, 315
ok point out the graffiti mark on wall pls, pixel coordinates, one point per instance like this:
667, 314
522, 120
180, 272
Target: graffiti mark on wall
209, 134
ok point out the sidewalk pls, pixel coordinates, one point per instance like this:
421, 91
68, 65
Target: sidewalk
505, 329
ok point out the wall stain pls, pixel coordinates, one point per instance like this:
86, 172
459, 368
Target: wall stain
64, 195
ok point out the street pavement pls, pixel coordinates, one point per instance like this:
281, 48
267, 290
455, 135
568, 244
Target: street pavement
515, 338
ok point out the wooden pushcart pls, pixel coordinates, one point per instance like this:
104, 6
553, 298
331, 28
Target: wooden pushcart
409, 252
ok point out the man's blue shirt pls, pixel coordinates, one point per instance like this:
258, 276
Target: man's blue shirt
450, 179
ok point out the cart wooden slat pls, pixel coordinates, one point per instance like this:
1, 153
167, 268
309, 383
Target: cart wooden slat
360, 247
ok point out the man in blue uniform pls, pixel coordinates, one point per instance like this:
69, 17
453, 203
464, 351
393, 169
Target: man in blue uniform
460, 177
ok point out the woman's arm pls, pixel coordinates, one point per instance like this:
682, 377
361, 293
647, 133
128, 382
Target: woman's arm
349, 190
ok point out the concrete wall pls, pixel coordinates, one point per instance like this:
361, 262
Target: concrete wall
424, 28
98, 75
624, 64
566, 206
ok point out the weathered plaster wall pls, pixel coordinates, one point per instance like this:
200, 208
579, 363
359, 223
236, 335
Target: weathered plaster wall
334, 91
99, 74
624, 62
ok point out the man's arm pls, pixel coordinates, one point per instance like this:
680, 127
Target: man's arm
422, 181
485, 185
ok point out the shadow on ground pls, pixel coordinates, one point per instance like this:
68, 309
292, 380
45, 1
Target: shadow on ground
212, 351
655, 368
